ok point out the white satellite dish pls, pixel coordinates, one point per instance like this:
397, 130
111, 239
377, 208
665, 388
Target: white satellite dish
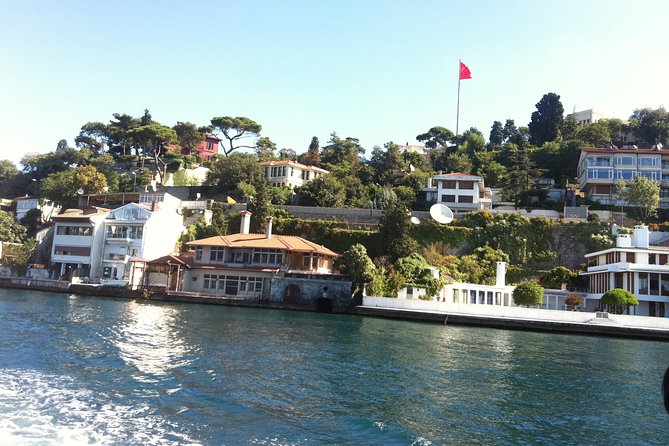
80, 191
441, 213
415, 220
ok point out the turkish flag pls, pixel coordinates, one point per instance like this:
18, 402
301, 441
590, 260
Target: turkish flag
464, 72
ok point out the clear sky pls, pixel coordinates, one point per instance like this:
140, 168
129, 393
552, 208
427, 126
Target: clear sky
376, 70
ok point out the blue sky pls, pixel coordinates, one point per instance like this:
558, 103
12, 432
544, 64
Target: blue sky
376, 70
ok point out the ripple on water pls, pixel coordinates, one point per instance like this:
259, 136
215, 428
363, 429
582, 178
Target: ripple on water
38, 409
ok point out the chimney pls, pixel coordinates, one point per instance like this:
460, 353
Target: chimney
268, 227
641, 236
429, 182
154, 206
500, 278
623, 241
246, 222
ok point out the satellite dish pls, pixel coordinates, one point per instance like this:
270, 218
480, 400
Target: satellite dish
415, 220
80, 191
441, 213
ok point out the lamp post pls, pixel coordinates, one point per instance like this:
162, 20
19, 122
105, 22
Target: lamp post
34, 187
134, 180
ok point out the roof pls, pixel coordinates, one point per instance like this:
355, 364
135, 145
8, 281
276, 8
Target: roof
283, 242
458, 175
644, 151
291, 163
170, 259
80, 214
650, 249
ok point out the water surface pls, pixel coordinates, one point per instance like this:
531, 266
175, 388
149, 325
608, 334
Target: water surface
88, 370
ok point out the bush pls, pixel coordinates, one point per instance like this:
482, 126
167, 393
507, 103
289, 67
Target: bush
572, 301
618, 300
528, 293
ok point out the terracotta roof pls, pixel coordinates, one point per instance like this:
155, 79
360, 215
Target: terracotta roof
81, 213
283, 242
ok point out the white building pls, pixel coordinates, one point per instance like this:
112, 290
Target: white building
286, 173
461, 192
25, 204
599, 169
97, 244
634, 265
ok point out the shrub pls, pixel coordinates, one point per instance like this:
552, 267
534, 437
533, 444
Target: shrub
528, 293
618, 300
573, 300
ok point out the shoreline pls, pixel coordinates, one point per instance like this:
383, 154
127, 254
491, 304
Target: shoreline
507, 323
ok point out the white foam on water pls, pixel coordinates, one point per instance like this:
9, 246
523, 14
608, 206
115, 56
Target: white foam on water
38, 409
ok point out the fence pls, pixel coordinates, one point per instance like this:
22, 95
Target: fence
539, 314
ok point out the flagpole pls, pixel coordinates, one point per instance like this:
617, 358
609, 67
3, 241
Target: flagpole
457, 115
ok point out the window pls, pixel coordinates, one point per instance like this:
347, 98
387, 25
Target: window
625, 174
216, 254
198, 253
465, 199
448, 198
75, 230
643, 283
468, 185
622, 160
267, 257
242, 256
648, 161
448, 184
600, 174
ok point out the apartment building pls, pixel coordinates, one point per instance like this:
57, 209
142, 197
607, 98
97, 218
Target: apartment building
286, 173
634, 265
461, 192
599, 169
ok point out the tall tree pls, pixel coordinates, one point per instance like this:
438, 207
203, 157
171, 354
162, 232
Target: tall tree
570, 128
547, 120
338, 151
227, 172
643, 195
312, 157
119, 139
510, 129
519, 175
394, 231
265, 148
154, 139
436, 137
188, 136
63, 187
650, 126
236, 130
324, 191
93, 136
496, 133
260, 207
10, 229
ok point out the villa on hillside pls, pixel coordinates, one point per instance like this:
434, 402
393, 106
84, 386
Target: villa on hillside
461, 192
634, 265
287, 173
599, 169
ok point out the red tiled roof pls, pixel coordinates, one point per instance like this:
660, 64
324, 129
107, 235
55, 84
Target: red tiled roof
283, 242
177, 260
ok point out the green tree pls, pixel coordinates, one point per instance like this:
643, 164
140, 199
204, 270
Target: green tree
188, 136
569, 128
650, 126
643, 195
356, 263
154, 139
618, 300
528, 293
32, 221
324, 191
17, 257
394, 231
436, 137
340, 151
418, 273
558, 276
93, 136
265, 149
459, 162
10, 229
235, 130
312, 157
118, 132
261, 207
226, 172
63, 187
496, 134
519, 176
547, 120
596, 134
510, 130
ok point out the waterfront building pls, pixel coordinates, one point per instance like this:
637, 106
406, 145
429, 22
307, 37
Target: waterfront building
634, 265
97, 243
287, 173
243, 264
461, 192
599, 169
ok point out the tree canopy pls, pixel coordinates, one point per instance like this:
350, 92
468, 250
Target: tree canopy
547, 120
236, 130
643, 195
618, 300
528, 293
